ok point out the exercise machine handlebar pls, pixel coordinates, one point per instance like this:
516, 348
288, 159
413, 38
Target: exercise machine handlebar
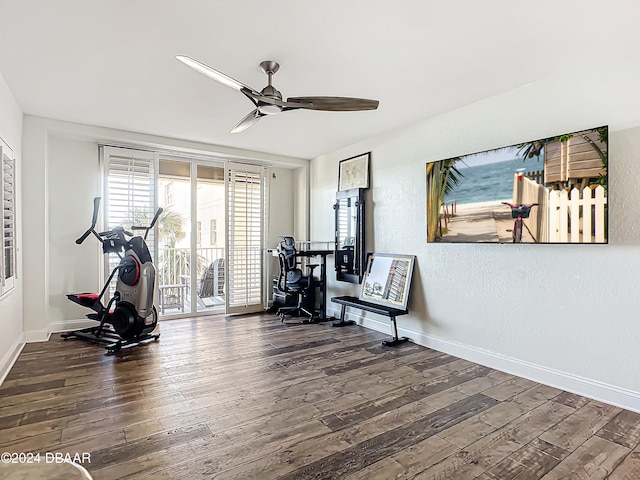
94, 220
118, 231
153, 222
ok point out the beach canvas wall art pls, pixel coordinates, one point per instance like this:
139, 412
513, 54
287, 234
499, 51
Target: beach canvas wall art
565, 176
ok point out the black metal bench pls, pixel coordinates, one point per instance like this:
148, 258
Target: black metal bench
390, 312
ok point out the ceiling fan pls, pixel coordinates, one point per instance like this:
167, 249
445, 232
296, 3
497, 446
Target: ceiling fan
269, 101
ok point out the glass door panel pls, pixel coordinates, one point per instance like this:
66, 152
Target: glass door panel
175, 260
210, 239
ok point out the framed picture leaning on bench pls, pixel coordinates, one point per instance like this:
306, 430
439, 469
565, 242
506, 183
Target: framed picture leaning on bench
385, 291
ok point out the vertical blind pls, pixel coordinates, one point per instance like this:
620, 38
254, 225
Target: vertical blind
246, 196
8, 231
130, 191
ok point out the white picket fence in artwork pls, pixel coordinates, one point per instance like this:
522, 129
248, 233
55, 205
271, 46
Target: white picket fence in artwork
577, 216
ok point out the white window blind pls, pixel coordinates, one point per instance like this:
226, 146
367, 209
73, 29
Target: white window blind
245, 213
344, 225
129, 192
8, 231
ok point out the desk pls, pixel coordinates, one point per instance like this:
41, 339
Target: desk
322, 282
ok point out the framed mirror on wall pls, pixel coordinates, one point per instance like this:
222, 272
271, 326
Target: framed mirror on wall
349, 235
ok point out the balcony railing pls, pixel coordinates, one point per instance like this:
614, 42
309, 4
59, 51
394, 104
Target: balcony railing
173, 274
175, 264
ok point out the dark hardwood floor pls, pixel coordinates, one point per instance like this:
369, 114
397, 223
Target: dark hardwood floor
249, 398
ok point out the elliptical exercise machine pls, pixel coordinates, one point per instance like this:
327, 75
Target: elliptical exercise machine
129, 317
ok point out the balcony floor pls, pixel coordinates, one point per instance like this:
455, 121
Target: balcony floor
208, 304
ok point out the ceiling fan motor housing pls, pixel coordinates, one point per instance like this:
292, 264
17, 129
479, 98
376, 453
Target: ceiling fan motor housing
266, 108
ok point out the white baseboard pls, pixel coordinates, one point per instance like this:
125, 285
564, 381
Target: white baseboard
596, 390
10, 357
68, 325
32, 336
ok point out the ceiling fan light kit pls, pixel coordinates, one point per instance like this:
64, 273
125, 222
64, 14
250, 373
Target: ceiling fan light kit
269, 101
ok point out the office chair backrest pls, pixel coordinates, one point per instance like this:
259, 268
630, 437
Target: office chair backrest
289, 272
288, 248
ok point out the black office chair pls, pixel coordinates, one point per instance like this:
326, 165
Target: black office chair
292, 281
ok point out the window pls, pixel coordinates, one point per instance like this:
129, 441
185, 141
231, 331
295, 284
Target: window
168, 194
8, 229
199, 233
213, 232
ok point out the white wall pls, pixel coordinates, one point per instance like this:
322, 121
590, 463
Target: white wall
282, 207
62, 165
282, 214
73, 180
11, 303
562, 314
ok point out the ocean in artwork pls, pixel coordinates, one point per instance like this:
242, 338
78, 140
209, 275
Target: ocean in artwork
487, 182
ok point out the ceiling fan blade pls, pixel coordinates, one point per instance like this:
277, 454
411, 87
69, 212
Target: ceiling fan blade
247, 121
215, 74
336, 104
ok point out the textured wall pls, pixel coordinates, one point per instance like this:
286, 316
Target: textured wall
565, 309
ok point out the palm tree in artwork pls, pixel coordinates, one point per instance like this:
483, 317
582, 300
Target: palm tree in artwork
442, 178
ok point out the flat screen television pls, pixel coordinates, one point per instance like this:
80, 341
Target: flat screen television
552, 190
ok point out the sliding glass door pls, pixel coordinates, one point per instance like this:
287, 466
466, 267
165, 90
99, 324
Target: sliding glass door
209, 247
210, 238
177, 262
191, 256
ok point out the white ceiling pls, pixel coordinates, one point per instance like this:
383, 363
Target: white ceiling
111, 62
